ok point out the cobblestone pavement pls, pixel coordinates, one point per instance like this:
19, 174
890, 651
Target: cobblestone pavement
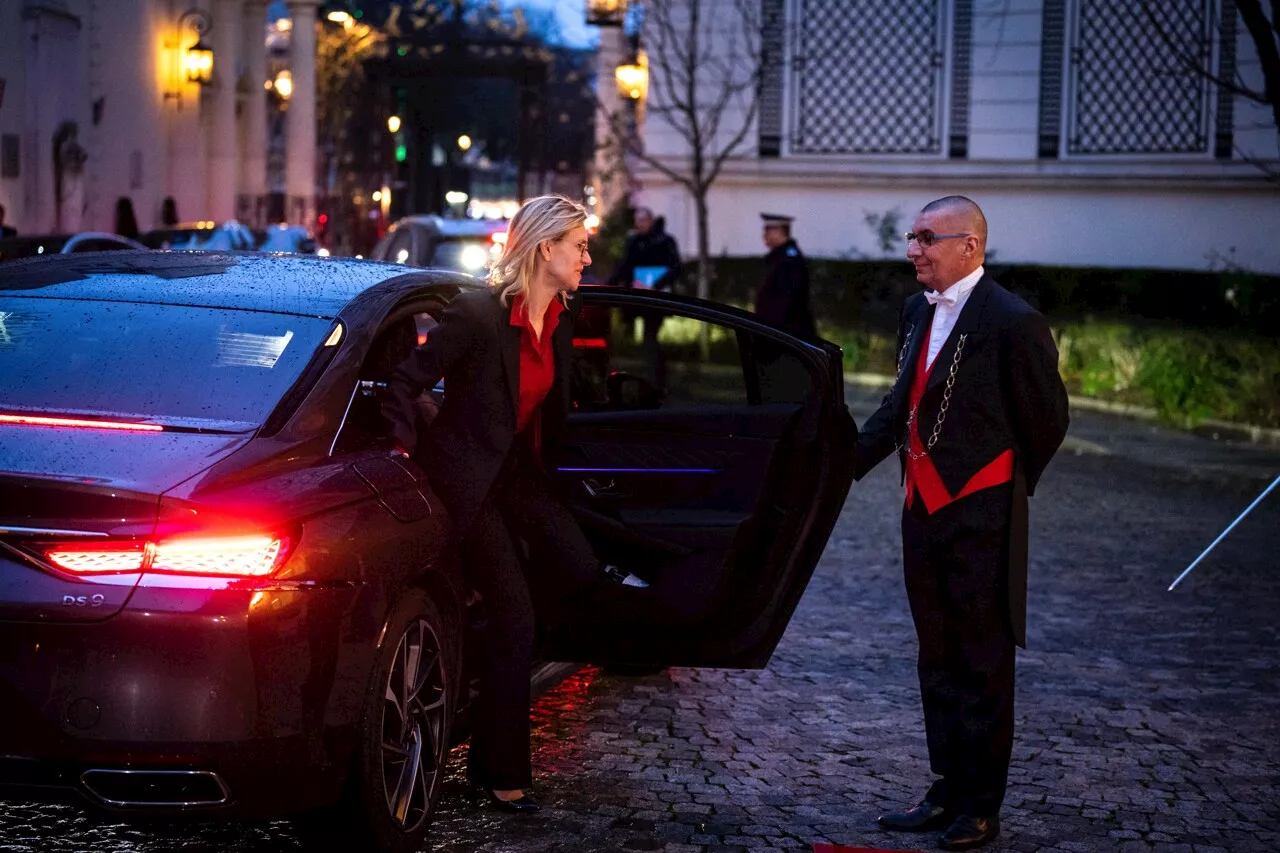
1146, 720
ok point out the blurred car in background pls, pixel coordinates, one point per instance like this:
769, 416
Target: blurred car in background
233, 236
462, 245
98, 241
53, 244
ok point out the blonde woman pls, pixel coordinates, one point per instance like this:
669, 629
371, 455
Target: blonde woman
504, 355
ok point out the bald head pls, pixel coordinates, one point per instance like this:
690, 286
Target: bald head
963, 211
952, 244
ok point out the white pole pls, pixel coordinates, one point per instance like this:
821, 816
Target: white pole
1224, 533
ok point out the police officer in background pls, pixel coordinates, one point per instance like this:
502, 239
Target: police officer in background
783, 296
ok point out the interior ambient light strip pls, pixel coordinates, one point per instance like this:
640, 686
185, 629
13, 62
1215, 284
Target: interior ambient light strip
80, 423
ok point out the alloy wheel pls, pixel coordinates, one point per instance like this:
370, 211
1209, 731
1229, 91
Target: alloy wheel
415, 706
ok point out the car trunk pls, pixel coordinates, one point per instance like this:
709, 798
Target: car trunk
84, 489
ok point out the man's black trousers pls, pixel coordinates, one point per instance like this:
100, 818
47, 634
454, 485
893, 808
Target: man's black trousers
521, 507
956, 570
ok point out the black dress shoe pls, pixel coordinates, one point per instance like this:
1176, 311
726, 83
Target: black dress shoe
969, 832
921, 818
523, 804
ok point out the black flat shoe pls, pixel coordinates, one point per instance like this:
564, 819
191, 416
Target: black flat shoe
923, 817
969, 832
523, 804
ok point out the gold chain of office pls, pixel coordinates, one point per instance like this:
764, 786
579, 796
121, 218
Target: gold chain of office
946, 400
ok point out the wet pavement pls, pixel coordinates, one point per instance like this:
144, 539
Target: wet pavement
1146, 720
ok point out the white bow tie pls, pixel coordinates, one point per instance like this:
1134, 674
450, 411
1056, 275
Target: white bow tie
947, 297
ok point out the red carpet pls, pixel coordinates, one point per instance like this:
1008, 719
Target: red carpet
836, 848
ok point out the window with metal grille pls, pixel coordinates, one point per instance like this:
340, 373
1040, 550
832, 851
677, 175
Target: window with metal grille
1132, 77
873, 76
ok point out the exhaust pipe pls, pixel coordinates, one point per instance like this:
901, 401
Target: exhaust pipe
173, 789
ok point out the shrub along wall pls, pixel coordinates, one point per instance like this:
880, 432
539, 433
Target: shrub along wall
1192, 345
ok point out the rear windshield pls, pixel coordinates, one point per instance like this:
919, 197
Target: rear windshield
158, 362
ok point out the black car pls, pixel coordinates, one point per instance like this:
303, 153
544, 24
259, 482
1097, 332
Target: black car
435, 242
223, 595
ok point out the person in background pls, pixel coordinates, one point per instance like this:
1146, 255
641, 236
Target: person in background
126, 223
652, 261
783, 296
168, 212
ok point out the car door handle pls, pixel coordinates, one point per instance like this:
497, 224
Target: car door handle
598, 489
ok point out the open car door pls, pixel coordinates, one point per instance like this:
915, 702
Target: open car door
709, 455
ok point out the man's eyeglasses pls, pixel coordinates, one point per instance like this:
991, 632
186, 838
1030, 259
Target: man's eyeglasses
926, 239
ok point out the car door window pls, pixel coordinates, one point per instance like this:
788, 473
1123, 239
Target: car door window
363, 427
622, 355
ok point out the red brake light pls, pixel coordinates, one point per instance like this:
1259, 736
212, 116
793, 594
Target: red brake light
254, 556
84, 558
237, 556
590, 343
82, 423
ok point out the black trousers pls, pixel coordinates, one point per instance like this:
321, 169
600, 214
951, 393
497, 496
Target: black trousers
521, 507
955, 563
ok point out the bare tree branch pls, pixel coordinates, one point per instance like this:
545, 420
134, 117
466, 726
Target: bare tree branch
1264, 37
705, 58
1195, 63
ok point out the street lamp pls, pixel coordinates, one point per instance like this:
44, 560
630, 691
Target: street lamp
197, 60
633, 78
606, 13
464, 142
284, 84
393, 124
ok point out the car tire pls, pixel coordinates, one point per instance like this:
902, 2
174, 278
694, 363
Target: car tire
403, 744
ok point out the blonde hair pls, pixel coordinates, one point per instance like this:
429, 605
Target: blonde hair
538, 220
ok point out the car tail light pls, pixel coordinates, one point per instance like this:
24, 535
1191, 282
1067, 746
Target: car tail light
83, 558
79, 423
254, 556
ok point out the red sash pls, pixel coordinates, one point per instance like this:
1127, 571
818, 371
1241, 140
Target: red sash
922, 477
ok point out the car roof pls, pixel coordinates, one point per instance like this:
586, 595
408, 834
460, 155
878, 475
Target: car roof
455, 227
282, 284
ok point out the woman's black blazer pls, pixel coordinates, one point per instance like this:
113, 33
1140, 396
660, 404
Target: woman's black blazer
476, 350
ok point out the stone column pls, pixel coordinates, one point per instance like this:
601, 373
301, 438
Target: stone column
224, 147
300, 125
253, 126
612, 165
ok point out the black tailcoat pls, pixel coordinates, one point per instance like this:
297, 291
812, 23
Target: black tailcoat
476, 350
1007, 395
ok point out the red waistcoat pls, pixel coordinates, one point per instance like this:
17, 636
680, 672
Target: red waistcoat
921, 475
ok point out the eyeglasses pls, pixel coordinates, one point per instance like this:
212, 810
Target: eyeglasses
926, 239
581, 247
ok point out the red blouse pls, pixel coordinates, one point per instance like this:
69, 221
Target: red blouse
537, 361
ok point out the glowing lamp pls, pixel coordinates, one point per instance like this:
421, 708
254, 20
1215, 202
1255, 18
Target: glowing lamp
633, 79
198, 63
606, 13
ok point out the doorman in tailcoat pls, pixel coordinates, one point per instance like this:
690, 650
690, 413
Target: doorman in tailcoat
977, 412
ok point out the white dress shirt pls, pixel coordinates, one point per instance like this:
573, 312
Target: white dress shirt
948, 305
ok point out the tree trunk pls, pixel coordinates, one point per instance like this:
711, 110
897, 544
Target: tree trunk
704, 252
704, 266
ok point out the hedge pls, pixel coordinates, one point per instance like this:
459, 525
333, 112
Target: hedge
1192, 345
